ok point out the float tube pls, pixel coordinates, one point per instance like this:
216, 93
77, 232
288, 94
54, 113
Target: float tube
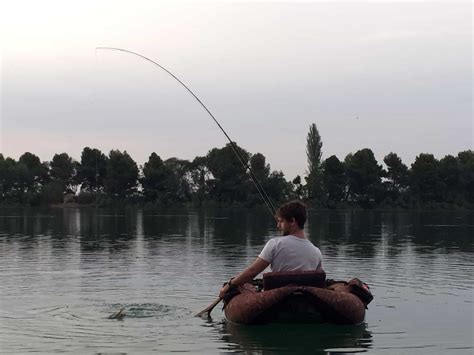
298, 297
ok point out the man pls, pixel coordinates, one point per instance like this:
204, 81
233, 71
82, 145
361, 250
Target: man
291, 252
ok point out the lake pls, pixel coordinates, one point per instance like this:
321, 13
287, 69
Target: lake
65, 270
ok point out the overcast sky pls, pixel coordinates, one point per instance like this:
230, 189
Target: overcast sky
393, 77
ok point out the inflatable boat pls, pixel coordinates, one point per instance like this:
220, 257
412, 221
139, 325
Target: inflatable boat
298, 297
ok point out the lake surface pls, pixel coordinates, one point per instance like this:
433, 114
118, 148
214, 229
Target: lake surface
64, 271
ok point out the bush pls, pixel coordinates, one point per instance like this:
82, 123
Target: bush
86, 198
52, 193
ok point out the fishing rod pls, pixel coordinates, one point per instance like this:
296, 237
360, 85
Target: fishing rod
244, 163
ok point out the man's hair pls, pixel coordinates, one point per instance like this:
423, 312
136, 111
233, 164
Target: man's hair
293, 209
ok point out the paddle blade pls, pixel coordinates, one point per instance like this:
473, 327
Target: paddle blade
119, 315
207, 311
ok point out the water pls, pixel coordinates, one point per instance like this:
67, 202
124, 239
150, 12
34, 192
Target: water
64, 271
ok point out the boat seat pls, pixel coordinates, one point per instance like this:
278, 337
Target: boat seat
314, 278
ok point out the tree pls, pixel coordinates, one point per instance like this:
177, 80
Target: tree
260, 167
179, 179
91, 170
364, 178
334, 181
30, 175
425, 182
313, 149
396, 175
261, 171
52, 192
121, 174
63, 171
277, 187
229, 181
297, 187
7, 178
199, 175
37, 171
313, 154
155, 177
466, 175
449, 173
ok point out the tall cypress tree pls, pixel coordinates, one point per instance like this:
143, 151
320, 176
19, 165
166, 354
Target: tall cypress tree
313, 154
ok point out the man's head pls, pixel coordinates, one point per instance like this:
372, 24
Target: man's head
293, 212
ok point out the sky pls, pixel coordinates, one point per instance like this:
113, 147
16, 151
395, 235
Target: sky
389, 76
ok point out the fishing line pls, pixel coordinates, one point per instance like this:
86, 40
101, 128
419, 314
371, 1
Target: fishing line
244, 163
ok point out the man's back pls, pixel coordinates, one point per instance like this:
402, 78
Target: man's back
290, 253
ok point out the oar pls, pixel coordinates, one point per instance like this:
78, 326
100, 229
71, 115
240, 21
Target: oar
209, 308
119, 315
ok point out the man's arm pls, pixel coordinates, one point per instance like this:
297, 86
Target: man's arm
247, 275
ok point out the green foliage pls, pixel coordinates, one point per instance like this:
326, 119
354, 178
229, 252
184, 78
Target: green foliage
21, 181
278, 189
91, 170
199, 176
52, 192
33, 173
261, 171
154, 180
260, 167
426, 184
178, 182
466, 175
313, 154
229, 182
397, 177
63, 171
449, 173
313, 149
121, 175
364, 178
219, 178
7, 178
87, 198
334, 181
297, 188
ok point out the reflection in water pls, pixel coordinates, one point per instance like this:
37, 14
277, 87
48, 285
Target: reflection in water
295, 338
364, 230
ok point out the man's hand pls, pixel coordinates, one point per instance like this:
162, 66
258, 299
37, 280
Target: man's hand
246, 276
224, 290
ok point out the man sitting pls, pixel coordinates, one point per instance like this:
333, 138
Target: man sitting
291, 252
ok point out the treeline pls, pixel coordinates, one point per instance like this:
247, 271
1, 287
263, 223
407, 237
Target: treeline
218, 177
361, 181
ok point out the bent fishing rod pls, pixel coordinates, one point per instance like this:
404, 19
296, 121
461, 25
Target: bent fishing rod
244, 163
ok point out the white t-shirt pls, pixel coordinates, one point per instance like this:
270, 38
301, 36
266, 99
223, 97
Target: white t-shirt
290, 253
